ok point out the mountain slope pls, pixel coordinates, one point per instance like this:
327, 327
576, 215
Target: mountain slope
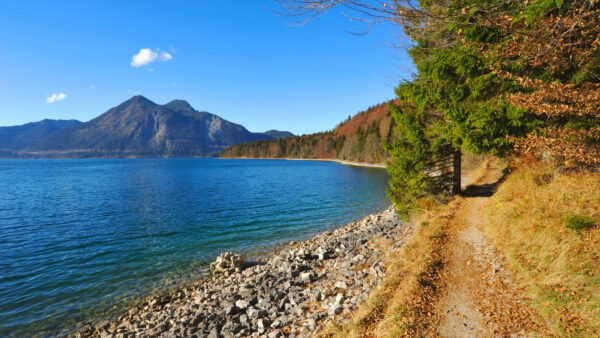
360, 138
139, 127
279, 134
16, 137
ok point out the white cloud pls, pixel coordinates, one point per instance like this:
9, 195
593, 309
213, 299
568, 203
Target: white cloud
164, 56
56, 97
146, 56
92, 87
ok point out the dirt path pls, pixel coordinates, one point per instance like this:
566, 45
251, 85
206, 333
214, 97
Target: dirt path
478, 297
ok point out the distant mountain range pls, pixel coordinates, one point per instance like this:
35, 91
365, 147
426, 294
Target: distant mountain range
137, 127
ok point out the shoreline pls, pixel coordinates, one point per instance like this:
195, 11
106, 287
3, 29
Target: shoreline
351, 163
297, 290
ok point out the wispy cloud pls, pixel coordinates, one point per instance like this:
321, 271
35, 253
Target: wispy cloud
146, 56
164, 56
92, 87
56, 97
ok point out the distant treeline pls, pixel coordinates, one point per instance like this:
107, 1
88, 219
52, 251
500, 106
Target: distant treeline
363, 137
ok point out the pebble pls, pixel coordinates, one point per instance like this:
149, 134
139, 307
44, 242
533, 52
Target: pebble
299, 290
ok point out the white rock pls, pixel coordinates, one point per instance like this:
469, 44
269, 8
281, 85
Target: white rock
341, 285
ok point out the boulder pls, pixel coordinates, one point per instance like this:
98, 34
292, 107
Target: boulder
228, 263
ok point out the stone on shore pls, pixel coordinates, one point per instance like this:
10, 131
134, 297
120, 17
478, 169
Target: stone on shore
298, 291
228, 263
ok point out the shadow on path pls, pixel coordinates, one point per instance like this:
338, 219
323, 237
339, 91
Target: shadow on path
482, 190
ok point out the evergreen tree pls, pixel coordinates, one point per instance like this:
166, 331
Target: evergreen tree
491, 74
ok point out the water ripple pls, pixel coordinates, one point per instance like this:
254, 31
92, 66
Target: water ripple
79, 239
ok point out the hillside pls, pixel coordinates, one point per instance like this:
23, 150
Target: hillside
360, 138
515, 255
279, 134
17, 137
137, 127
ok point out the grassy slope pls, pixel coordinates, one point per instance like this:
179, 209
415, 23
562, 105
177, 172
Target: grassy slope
395, 308
407, 295
527, 220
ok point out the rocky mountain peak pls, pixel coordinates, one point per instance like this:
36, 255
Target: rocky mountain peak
137, 127
180, 106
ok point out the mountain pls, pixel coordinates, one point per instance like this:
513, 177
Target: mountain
361, 138
17, 137
139, 127
181, 106
279, 134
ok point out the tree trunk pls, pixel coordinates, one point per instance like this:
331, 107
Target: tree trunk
456, 189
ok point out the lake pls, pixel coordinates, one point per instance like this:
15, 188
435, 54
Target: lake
82, 239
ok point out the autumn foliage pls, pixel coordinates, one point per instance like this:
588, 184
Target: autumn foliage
362, 137
556, 60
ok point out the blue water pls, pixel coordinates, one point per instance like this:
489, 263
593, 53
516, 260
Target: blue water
81, 239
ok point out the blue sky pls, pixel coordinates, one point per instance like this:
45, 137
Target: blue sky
236, 59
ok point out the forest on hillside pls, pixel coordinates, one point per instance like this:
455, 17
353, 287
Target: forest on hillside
501, 77
518, 79
509, 78
362, 138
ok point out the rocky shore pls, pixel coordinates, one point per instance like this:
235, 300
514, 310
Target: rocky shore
297, 292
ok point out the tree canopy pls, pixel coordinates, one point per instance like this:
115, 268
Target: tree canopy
502, 77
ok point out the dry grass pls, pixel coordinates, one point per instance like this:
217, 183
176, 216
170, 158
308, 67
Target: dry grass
527, 219
403, 300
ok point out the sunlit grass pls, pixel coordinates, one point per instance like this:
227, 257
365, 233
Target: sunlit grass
547, 226
394, 308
